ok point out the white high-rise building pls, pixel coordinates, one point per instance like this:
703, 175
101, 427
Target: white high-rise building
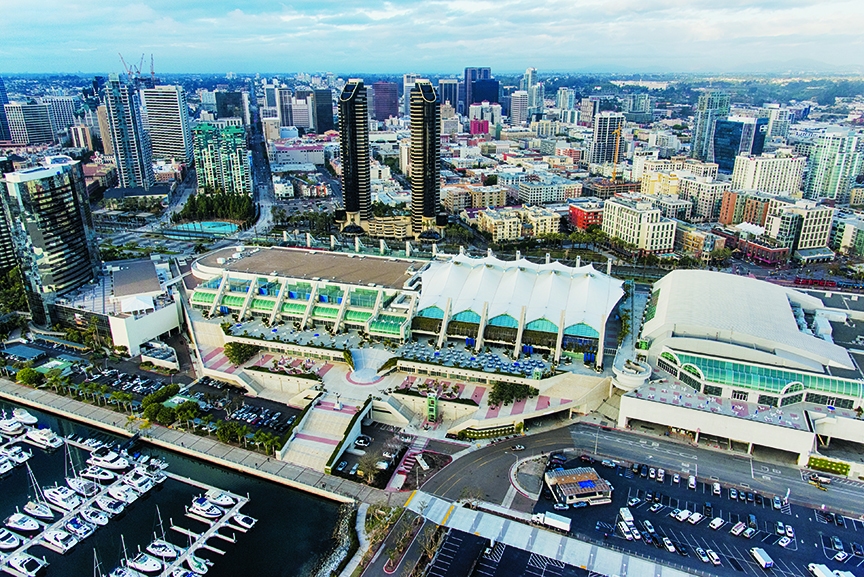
29, 123
518, 107
408, 81
62, 111
565, 99
167, 115
485, 111
769, 173
835, 161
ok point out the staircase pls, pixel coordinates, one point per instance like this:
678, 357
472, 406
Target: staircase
322, 430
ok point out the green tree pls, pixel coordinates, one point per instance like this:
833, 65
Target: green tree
151, 411
239, 353
166, 415
29, 377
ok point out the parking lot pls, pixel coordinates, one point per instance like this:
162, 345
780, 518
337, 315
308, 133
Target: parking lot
385, 442
653, 501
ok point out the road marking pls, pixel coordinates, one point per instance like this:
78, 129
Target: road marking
508, 498
444, 520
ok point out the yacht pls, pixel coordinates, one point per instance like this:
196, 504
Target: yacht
123, 493
109, 505
10, 427
8, 540
83, 487
139, 481
152, 471
16, 454
162, 549
5, 466
144, 563
245, 521
24, 417
204, 508
98, 474
197, 564
21, 523
181, 572
79, 528
45, 438
220, 498
60, 540
38, 510
63, 497
94, 516
26, 565
123, 572
107, 459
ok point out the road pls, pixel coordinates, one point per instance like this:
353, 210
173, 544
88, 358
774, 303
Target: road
488, 468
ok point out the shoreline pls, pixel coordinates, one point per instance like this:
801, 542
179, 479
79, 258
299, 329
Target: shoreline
16, 393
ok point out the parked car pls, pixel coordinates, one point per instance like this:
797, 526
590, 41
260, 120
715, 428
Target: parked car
777, 503
342, 465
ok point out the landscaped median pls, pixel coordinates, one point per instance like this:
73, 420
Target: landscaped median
337, 452
828, 466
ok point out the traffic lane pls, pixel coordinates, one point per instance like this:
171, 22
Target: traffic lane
487, 468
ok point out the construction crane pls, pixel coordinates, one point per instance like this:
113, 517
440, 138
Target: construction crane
152, 71
617, 134
126, 67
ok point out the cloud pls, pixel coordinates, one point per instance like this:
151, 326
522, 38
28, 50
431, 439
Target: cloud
430, 36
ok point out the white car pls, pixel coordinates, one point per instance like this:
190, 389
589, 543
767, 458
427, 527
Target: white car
784, 542
636, 534
702, 555
633, 501
676, 478
716, 523
715, 558
668, 544
695, 518
790, 532
841, 556
691, 483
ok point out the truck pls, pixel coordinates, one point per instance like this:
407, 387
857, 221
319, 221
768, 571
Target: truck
761, 556
626, 516
819, 570
552, 520
820, 478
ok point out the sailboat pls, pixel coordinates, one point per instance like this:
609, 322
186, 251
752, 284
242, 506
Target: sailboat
122, 570
83, 487
37, 506
159, 547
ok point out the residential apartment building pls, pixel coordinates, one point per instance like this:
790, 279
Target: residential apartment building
547, 188
706, 194
167, 122
518, 107
586, 211
29, 123
779, 174
682, 163
222, 158
740, 206
673, 207
696, 241
506, 224
799, 224
131, 142
607, 140
712, 106
835, 160
461, 196
636, 221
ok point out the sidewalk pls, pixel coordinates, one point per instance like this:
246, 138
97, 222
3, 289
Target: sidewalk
205, 448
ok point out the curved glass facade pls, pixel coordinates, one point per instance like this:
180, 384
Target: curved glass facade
354, 136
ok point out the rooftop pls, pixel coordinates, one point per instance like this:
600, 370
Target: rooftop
135, 278
579, 481
308, 264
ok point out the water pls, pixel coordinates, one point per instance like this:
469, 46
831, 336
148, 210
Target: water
293, 536
209, 227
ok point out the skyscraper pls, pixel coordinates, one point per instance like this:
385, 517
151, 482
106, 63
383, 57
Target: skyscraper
386, 100
29, 123
221, 158
8, 255
734, 136
603, 145
528, 80
448, 91
712, 105
425, 158
518, 107
105, 130
322, 110
354, 139
81, 136
471, 76
485, 91
565, 99
407, 84
536, 98
270, 95
230, 105
132, 153
54, 235
4, 125
283, 106
168, 123
62, 111
834, 162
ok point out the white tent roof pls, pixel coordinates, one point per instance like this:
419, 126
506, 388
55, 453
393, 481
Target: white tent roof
136, 303
584, 294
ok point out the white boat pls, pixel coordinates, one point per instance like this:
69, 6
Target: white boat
45, 438
123, 493
197, 564
16, 454
220, 498
153, 472
5, 466
98, 474
144, 563
94, 516
204, 508
8, 540
124, 572
181, 572
10, 427
245, 521
38, 510
60, 540
162, 549
161, 463
25, 564
109, 505
63, 497
139, 481
107, 459
21, 523
79, 528
84, 487
24, 417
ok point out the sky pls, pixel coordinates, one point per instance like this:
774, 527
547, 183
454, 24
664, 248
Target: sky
427, 36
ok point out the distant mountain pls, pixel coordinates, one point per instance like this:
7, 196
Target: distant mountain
795, 67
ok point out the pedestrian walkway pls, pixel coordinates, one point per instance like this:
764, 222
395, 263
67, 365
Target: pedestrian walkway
515, 532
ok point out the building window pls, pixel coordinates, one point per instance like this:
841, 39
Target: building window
691, 381
769, 400
740, 395
666, 366
713, 391
792, 399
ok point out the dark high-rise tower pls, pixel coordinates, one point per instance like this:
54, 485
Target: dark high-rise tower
485, 90
4, 124
354, 137
448, 91
322, 111
425, 157
386, 100
472, 75
53, 236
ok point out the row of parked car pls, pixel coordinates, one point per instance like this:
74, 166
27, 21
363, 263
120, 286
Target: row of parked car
263, 418
125, 382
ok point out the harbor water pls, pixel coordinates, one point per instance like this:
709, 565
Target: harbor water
295, 533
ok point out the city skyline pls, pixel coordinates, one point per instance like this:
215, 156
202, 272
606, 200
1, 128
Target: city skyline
444, 36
